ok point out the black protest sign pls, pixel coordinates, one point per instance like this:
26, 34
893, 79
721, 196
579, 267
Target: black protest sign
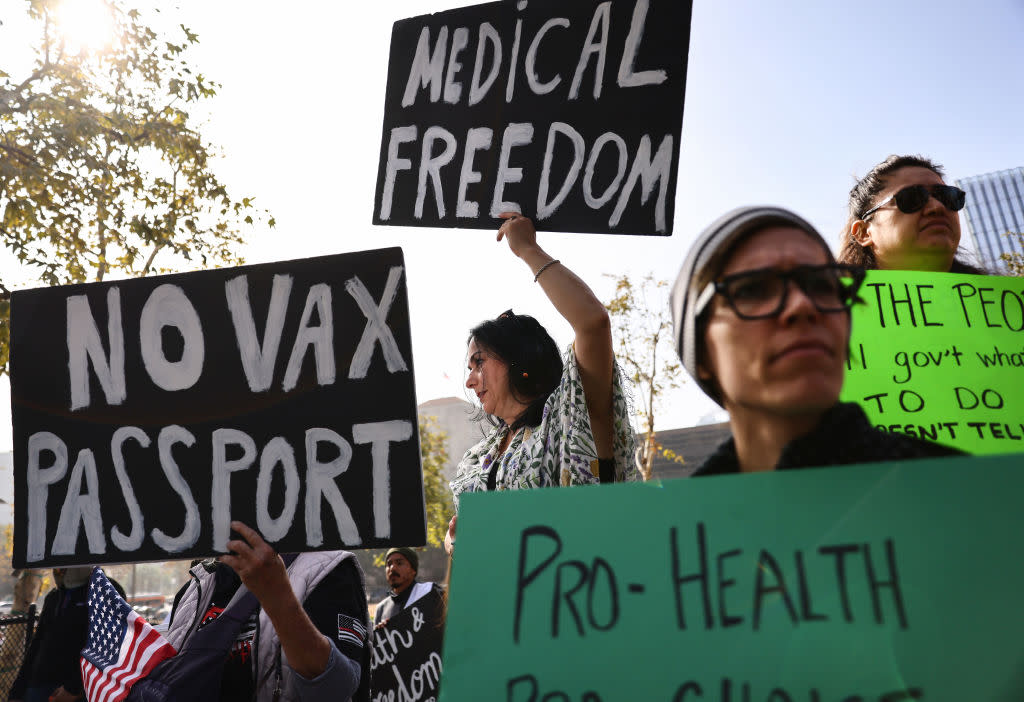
569, 112
405, 662
149, 413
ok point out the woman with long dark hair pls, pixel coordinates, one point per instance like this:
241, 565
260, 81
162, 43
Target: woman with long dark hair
555, 423
903, 216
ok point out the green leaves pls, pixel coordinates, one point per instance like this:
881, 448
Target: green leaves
101, 167
438, 498
1014, 261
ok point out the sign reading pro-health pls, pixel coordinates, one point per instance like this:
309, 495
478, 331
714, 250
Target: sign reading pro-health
881, 582
569, 112
941, 356
149, 413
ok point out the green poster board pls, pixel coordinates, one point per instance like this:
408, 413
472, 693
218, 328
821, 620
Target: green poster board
941, 356
827, 585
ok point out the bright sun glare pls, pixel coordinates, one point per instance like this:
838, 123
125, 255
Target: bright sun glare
86, 25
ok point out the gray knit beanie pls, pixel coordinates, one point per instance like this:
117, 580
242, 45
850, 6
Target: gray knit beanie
727, 231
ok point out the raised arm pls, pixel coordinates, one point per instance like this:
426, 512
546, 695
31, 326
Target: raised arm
309, 652
576, 302
263, 572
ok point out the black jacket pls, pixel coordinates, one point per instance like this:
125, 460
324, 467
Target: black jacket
843, 436
52, 658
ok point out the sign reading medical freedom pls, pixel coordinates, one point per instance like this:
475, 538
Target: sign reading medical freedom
568, 112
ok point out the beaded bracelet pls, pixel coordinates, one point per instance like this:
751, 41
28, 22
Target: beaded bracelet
544, 268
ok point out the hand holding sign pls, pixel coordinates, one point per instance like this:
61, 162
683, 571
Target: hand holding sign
449, 538
518, 231
256, 563
264, 573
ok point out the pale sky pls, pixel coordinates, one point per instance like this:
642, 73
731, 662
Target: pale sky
786, 102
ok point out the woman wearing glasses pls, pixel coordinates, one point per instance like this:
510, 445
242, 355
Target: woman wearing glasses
904, 217
762, 323
555, 424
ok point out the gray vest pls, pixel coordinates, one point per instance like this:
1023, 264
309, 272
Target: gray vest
305, 573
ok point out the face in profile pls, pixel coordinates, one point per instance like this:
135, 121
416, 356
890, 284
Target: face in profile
923, 240
789, 363
488, 378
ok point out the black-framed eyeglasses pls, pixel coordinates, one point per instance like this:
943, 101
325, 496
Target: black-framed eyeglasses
762, 293
913, 197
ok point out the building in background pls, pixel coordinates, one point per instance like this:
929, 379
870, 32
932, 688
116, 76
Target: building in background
995, 206
694, 444
455, 417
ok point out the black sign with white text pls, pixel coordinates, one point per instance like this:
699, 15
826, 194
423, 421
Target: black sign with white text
405, 662
149, 413
569, 112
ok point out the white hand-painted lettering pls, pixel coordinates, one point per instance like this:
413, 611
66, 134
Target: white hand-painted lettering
627, 77
399, 136
452, 88
516, 134
277, 452
321, 485
169, 436
168, 306
417, 618
431, 165
134, 538
84, 345
598, 23
380, 435
477, 138
258, 359
531, 59
222, 468
320, 337
80, 509
39, 480
376, 329
487, 35
546, 208
426, 67
649, 171
588, 172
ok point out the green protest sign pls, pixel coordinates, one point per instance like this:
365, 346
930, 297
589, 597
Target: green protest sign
941, 356
883, 582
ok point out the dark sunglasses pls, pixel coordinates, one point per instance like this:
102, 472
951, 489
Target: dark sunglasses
914, 197
762, 293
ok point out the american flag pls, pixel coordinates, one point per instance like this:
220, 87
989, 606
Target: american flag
351, 630
122, 647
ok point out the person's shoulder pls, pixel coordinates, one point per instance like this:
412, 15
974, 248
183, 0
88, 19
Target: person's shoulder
863, 442
345, 570
723, 461
895, 445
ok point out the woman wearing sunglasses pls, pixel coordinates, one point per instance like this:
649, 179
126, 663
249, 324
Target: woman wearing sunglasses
554, 424
902, 216
762, 322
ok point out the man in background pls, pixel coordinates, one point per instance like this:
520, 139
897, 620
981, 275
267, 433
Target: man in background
400, 568
51, 670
